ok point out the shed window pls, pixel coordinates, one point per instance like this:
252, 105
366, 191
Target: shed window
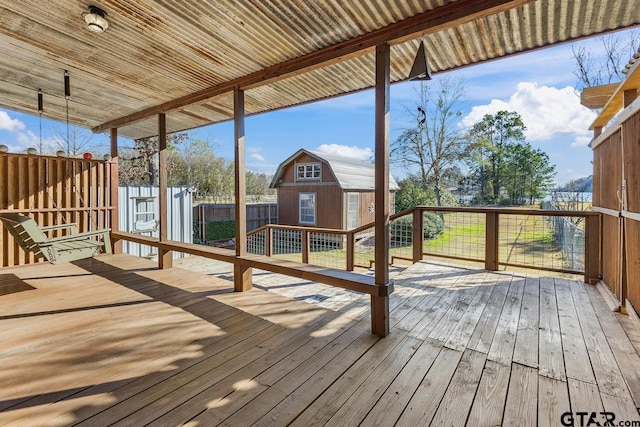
307, 208
144, 216
308, 171
352, 210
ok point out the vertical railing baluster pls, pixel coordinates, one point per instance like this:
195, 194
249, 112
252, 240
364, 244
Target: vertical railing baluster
417, 233
305, 246
491, 261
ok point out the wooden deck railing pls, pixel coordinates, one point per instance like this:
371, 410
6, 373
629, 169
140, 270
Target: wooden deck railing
550, 240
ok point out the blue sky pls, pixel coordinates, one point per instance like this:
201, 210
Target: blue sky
538, 85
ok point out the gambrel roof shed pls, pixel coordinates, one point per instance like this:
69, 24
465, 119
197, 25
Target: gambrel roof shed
351, 174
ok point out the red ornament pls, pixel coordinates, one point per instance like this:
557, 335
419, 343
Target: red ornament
87, 156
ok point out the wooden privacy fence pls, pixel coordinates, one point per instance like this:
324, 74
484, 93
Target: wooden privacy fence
616, 194
258, 215
53, 190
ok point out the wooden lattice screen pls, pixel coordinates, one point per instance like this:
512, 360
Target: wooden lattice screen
52, 190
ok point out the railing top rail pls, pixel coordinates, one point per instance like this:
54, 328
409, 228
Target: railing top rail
508, 211
300, 228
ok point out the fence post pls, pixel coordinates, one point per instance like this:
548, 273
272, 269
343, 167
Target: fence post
268, 241
592, 271
351, 250
417, 234
305, 247
491, 242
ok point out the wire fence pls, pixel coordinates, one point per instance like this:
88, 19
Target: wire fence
462, 235
528, 239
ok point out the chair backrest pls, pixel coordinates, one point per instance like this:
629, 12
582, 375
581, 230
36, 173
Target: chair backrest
25, 231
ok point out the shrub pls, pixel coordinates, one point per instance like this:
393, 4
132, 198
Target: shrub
221, 230
433, 225
401, 228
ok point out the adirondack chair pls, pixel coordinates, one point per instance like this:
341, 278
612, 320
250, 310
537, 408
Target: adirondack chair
56, 250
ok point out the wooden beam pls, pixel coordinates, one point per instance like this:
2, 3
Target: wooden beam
628, 96
113, 190
165, 258
380, 305
241, 273
440, 18
595, 97
616, 102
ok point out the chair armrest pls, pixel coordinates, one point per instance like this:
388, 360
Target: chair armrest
74, 237
71, 225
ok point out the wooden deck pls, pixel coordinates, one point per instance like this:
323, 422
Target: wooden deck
115, 341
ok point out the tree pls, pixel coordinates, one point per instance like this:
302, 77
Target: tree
139, 165
488, 140
529, 173
411, 195
596, 69
78, 141
434, 144
257, 185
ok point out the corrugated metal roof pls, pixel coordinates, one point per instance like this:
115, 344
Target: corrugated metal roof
351, 174
159, 51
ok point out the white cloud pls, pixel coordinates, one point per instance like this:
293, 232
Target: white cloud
28, 139
347, 151
255, 153
581, 141
7, 123
546, 111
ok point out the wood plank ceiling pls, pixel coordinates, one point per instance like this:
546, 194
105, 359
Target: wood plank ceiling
158, 51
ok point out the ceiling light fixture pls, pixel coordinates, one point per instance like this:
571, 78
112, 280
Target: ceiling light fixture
96, 19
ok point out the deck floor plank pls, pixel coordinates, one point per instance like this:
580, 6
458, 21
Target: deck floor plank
456, 403
576, 355
504, 340
488, 405
526, 347
425, 401
522, 397
115, 341
550, 353
553, 401
605, 368
483, 334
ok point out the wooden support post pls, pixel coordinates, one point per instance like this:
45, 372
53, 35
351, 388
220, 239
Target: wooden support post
491, 260
242, 276
380, 305
165, 258
628, 96
592, 245
351, 251
597, 131
417, 234
624, 280
113, 191
304, 246
268, 244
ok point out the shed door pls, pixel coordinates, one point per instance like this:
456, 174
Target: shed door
352, 210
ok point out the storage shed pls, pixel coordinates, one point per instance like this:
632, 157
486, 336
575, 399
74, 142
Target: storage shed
326, 191
138, 209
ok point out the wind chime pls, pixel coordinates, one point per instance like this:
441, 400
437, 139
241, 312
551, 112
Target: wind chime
67, 95
40, 114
